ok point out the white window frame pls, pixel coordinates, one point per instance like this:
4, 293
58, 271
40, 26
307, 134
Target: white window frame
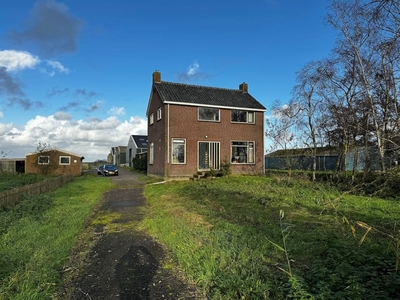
69, 160
159, 114
175, 151
151, 119
238, 157
250, 116
217, 117
151, 154
44, 163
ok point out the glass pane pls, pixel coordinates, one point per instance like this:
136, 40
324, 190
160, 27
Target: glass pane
64, 160
239, 154
178, 152
251, 117
204, 157
251, 152
238, 116
208, 114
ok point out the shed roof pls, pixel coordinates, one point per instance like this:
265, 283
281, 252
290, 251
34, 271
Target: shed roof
57, 150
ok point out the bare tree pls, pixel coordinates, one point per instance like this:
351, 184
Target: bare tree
281, 130
307, 95
373, 45
46, 161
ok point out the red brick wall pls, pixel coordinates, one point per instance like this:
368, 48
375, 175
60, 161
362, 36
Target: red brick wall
156, 134
183, 123
187, 126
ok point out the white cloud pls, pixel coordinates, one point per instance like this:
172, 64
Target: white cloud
4, 128
193, 73
193, 68
117, 111
58, 66
14, 60
92, 138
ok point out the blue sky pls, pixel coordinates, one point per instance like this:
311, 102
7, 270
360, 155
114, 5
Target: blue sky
77, 74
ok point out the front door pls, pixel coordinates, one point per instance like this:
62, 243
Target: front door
209, 156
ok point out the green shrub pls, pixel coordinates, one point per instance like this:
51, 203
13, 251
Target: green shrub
140, 163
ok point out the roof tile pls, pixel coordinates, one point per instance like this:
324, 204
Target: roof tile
203, 95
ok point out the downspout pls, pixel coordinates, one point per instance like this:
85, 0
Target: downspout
168, 134
263, 152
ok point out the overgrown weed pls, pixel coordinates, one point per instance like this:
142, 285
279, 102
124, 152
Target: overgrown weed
37, 236
230, 258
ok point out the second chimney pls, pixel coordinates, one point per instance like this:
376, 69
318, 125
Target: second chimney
156, 76
244, 87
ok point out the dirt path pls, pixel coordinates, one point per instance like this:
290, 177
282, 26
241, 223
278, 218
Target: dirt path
126, 264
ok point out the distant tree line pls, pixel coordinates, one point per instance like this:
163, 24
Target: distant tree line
350, 99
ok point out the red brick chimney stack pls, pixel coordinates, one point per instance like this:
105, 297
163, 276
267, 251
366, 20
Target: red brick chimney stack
244, 87
156, 76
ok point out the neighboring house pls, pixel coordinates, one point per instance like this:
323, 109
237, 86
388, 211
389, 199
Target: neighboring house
112, 157
13, 165
117, 156
121, 156
197, 128
137, 144
54, 162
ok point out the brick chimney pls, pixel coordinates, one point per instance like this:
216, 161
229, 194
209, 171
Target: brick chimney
244, 87
156, 76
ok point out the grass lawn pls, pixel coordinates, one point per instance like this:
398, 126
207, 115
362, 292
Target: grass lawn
236, 237
254, 237
38, 234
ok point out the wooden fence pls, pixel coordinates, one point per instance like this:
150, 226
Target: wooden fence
12, 197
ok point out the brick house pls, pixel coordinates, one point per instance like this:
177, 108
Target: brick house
197, 128
54, 162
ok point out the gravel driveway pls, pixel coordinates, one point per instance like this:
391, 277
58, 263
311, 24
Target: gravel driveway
124, 263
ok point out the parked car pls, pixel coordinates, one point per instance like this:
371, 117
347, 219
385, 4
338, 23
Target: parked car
110, 170
100, 170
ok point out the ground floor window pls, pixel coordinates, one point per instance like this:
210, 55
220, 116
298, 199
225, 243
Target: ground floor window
242, 152
178, 151
65, 160
151, 154
43, 160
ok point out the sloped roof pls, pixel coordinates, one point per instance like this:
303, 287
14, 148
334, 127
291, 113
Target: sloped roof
121, 149
186, 94
55, 149
140, 140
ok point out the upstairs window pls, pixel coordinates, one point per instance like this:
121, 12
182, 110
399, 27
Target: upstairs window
65, 160
159, 114
43, 160
208, 114
242, 152
151, 119
242, 116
